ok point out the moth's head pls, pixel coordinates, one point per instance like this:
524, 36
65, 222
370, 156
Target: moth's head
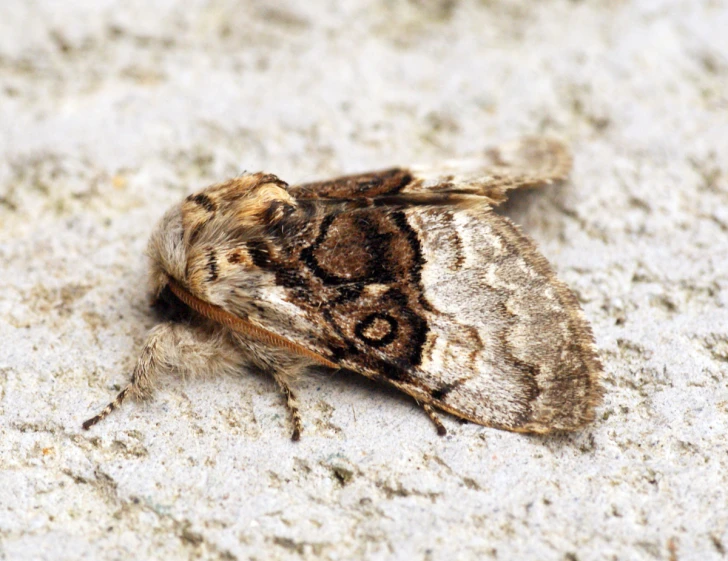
166, 251
203, 240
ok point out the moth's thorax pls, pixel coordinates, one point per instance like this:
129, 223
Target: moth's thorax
204, 242
167, 252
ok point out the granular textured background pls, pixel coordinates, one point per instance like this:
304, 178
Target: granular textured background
110, 112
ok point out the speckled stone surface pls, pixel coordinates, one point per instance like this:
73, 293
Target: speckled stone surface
110, 112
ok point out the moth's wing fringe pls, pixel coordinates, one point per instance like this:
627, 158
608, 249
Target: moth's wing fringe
579, 328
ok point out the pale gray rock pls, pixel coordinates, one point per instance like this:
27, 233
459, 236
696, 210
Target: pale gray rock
112, 111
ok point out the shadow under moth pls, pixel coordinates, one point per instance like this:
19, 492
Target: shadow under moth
405, 276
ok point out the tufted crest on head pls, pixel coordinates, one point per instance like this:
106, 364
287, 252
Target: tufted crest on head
250, 200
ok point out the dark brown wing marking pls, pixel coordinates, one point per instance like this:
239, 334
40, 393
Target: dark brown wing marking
526, 162
363, 185
359, 269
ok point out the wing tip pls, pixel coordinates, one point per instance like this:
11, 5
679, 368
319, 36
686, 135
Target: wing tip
545, 158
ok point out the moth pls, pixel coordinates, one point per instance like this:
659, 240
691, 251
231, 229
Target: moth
406, 276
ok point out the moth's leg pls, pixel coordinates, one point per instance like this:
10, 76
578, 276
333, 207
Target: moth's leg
292, 404
175, 347
284, 367
525, 162
432, 414
106, 411
141, 379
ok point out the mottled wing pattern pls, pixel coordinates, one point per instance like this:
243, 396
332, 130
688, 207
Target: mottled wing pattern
444, 299
507, 343
452, 305
526, 162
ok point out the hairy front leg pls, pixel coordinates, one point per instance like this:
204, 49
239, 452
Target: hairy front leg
187, 349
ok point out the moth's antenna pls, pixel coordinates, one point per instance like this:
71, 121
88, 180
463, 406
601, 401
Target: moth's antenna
244, 327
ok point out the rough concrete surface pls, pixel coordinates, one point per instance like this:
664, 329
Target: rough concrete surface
110, 112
